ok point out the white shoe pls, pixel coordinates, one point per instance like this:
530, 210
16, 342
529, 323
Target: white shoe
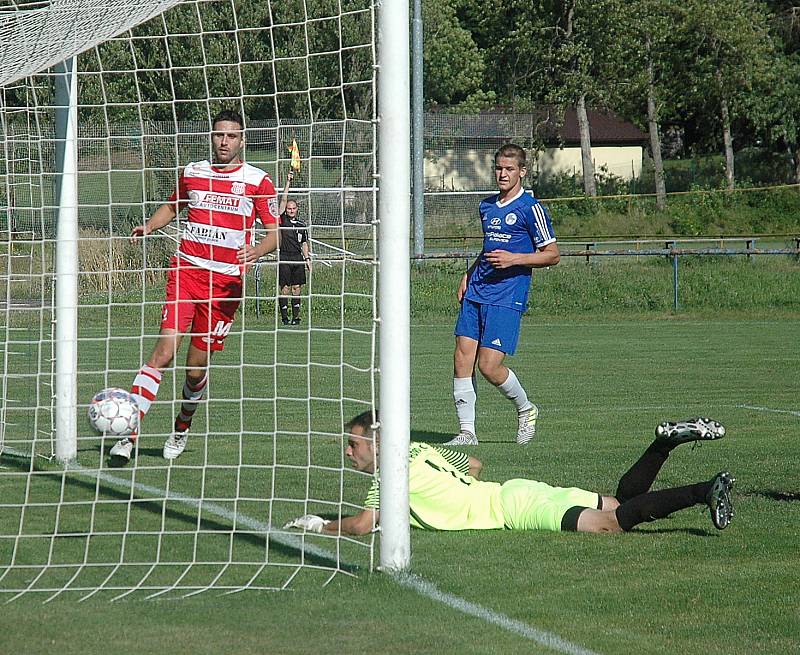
527, 425
122, 449
175, 445
463, 438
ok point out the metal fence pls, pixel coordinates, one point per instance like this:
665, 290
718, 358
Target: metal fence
670, 249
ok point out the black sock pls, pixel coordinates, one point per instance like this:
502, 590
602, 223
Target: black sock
295, 307
659, 504
639, 478
283, 302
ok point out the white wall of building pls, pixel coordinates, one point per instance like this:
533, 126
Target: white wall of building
471, 169
621, 161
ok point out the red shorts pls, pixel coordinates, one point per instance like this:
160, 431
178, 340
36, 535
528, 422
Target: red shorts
203, 300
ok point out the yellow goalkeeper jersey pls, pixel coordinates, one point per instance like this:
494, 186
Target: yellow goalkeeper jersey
442, 494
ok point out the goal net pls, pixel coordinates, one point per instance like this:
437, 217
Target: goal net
266, 443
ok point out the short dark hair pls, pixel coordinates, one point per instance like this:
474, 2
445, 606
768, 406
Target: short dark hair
230, 116
365, 421
513, 151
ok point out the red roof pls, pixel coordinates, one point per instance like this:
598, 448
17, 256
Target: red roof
605, 128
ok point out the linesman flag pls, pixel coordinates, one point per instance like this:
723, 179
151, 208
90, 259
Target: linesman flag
295, 152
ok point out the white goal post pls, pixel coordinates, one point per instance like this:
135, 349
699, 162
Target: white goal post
102, 102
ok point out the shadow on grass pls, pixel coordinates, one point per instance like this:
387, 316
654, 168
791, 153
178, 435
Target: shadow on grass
121, 462
442, 437
156, 506
431, 437
695, 532
782, 496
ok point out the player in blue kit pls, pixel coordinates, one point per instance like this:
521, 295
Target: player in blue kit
517, 237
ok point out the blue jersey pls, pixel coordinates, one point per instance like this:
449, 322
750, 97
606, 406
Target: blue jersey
519, 225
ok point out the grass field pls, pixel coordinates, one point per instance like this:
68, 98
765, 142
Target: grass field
676, 586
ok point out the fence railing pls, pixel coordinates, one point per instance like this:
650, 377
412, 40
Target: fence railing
669, 251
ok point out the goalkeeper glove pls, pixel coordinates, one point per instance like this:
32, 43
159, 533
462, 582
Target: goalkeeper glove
309, 522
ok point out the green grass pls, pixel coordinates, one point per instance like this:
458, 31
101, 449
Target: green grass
676, 586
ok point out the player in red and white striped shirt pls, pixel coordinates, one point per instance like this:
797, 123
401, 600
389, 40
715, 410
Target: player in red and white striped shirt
204, 282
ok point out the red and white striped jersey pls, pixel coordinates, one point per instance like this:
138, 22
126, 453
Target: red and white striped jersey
222, 208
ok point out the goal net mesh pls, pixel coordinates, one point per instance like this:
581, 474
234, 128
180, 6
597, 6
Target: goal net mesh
266, 442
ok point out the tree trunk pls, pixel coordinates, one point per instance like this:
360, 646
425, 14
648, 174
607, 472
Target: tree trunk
797, 164
589, 187
655, 137
727, 138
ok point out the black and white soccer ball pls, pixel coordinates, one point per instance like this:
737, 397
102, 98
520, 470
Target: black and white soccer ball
114, 411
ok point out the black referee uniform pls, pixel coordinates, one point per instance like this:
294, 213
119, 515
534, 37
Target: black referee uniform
292, 265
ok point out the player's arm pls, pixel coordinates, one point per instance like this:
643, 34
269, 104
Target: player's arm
162, 217
548, 255
285, 193
269, 243
362, 523
306, 254
462, 288
465, 463
475, 467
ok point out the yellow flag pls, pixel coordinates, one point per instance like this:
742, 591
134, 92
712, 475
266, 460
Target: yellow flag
295, 152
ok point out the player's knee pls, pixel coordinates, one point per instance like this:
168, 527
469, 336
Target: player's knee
598, 521
609, 502
464, 359
492, 371
194, 376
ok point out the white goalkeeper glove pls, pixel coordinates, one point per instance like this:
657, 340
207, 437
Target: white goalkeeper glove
309, 522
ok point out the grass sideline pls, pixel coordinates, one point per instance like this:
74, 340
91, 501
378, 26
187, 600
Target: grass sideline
677, 586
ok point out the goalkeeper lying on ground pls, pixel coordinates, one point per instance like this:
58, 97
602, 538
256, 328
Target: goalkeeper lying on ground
446, 494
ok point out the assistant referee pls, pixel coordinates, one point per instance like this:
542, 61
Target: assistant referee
294, 257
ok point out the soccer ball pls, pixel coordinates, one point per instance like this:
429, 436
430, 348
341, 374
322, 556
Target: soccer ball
114, 411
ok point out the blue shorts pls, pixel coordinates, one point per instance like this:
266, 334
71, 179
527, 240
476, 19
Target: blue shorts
491, 326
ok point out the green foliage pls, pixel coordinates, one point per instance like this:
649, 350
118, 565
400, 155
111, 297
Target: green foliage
708, 212
690, 57
453, 66
283, 61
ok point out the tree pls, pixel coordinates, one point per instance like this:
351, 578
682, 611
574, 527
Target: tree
781, 124
453, 66
550, 53
728, 61
653, 65
587, 62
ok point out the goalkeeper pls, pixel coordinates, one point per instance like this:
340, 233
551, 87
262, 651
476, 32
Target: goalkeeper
445, 493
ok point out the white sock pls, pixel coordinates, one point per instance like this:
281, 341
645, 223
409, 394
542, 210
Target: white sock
513, 390
464, 396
